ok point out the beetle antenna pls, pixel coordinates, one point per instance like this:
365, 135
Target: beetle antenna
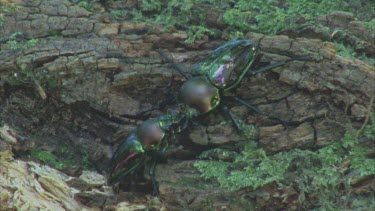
277, 64
256, 110
176, 66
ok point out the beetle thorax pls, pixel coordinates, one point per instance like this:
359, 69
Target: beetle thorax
198, 93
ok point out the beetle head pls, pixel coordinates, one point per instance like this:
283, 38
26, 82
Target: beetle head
200, 94
150, 134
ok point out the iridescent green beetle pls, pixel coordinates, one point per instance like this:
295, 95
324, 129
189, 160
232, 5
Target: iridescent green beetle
219, 72
202, 92
227, 65
147, 141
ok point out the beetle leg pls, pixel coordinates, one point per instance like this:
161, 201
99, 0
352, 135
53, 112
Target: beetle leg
182, 125
172, 151
256, 62
256, 110
143, 115
277, 64
117, 177
153, 180
226, 110
140, 115
173, 137
176, 66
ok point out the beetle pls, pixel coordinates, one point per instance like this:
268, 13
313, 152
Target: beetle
219, 72
148, 140
202, 92
222, 71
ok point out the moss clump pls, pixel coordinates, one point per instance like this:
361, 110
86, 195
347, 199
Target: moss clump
369, 131
269, 17
117, 14
249, 131
55, 33
11, 41
370, 25
86, 5
62, 159
86, 161
350, 52
49, 158
16, 45
319, 175
8, 8
251, 168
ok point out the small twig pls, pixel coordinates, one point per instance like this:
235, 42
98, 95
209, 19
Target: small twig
40, 89
367, 116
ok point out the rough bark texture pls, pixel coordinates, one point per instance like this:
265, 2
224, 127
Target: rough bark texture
103, 69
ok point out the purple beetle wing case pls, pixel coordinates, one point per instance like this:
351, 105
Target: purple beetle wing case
228, 64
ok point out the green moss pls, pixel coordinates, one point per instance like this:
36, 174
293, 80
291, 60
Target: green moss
1, 21
241, 18
345, 51
269, 17
55, 33
117, 14
370, 25
11, 41
14, 44
85, 4
86, 161
49, 158
369, 131
248, 170
44, 156
197, 32
42, 80
206, 204
249, 131
319, 175
350, 52
8, 8
364, 203
62, 159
